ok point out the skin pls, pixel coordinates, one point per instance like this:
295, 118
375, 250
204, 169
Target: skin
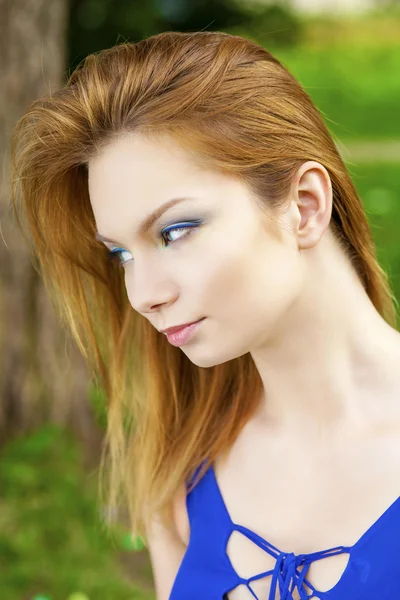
281, 288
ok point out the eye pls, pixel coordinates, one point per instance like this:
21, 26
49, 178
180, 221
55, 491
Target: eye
116, 254
186, 226
119, 253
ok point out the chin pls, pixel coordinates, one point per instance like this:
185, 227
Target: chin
203, 362
206, 361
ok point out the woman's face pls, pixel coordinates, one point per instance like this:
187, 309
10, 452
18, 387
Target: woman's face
215, 255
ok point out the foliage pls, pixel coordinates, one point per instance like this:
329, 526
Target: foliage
357, 89
98, 402
98, 24
52, 542
379, 189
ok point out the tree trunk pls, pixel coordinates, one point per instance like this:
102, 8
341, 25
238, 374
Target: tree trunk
42, 373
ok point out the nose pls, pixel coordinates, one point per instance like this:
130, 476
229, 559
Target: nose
149, 286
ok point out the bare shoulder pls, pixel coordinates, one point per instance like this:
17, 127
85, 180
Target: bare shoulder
167, 547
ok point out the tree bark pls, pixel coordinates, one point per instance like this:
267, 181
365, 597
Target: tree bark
42, 373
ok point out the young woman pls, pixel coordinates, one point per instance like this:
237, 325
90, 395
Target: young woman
258, 449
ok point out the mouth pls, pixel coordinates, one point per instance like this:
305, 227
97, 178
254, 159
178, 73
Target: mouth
184, 334
179, 327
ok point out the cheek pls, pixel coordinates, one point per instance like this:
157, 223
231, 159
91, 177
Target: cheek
230, 280
254, 286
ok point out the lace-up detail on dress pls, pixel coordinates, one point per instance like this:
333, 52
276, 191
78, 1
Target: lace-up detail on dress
286, 576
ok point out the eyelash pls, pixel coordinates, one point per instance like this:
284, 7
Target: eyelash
115, 253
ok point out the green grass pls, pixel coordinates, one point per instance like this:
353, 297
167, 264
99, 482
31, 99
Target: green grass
51, 543
379, 188
357, 89
349, 68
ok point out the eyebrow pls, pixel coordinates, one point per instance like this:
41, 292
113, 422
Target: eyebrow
149, 220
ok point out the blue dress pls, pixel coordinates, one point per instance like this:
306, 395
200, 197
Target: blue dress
206, 572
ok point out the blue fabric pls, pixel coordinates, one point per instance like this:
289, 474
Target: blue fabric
206, 572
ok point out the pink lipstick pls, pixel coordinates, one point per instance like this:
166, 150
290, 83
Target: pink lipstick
183, 335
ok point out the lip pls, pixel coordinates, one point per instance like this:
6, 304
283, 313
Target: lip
178, 327
184, 334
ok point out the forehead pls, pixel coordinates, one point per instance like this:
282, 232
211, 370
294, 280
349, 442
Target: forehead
135, 171
139, 159
132, 176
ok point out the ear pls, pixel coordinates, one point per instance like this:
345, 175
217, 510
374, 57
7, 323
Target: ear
312, 194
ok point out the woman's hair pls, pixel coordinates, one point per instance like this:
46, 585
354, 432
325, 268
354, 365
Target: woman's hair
238, 109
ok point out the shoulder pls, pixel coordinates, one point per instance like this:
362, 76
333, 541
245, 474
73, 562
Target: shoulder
166, 550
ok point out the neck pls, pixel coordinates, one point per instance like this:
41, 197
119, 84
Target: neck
336, 361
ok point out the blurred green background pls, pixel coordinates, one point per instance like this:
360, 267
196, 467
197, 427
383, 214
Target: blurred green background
52, 542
